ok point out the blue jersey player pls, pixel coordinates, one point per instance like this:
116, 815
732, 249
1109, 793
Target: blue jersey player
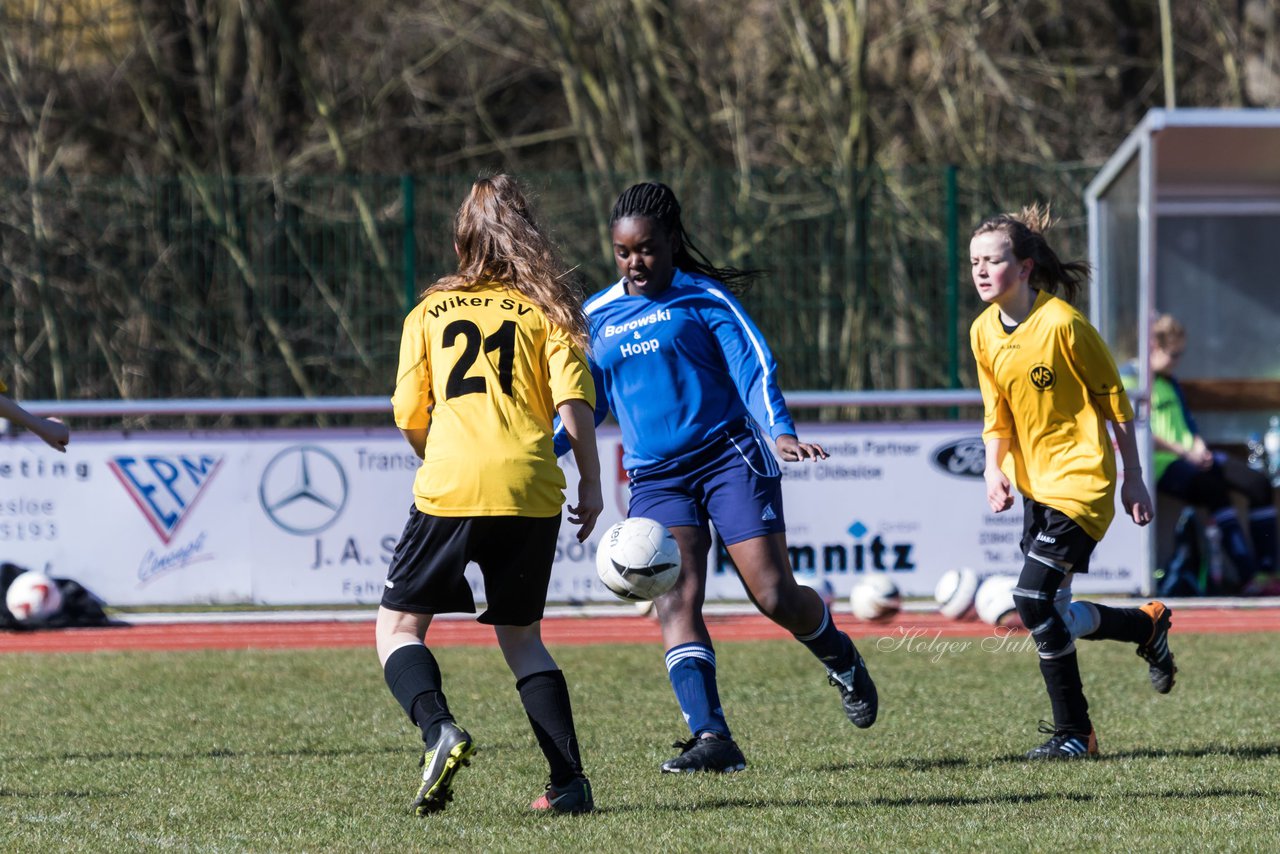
691, 382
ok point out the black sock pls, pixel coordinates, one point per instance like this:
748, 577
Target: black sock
832, 646
545, 697
1066, 694
1122, 624
414, 679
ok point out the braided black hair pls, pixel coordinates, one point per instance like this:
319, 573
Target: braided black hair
658, 202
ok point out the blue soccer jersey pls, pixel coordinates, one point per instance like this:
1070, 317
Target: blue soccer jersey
681, 368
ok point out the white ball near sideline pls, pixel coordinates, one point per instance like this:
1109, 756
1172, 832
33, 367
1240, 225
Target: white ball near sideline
33, 596
875, 598
955, 593
994, 600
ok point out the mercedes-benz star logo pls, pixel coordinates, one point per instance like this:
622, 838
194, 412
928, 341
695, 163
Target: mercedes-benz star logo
303, 489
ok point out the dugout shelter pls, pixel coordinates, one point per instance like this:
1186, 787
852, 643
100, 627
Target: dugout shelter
1184, 218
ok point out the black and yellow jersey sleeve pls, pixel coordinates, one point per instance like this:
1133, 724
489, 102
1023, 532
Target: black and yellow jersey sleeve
483, 370
1050, 386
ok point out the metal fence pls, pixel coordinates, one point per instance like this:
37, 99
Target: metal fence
232, 288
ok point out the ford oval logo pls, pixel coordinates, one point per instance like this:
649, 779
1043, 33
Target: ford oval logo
962, 458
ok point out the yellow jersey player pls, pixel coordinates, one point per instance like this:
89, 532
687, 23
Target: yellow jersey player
1049, 388
54, 433
488, 358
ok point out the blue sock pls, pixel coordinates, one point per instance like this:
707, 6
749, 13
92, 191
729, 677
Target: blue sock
1233, 542
832, 646
1262, 526
692, 669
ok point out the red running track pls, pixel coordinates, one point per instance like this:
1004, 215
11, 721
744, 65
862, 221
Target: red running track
555, 630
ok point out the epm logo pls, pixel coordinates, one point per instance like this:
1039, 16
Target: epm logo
1042, 377
164, 487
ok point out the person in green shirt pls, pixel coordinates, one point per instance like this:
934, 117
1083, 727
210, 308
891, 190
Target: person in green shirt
1186, 469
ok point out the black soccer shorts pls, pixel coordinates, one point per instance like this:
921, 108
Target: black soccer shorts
514, 554
1053, 534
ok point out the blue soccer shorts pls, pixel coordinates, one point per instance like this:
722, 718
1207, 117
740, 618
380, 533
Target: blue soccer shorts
733, 482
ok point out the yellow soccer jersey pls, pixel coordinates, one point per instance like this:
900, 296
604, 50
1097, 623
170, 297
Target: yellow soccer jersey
1049, 387
484, 370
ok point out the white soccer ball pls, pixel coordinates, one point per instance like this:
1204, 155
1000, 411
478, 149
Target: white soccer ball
33, 596
955, 593
994, 600
875, 598
638, 559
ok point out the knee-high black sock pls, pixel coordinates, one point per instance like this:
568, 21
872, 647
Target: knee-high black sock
1132, 625
1066, 694
545, 697
414, 679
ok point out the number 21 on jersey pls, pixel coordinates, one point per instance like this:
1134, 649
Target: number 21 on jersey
504, 341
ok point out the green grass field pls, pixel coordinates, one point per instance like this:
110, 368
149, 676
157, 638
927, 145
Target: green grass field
307, 751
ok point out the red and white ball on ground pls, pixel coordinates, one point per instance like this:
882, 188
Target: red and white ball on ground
955, 593
32, 597
994, 600
875, 598
638, 559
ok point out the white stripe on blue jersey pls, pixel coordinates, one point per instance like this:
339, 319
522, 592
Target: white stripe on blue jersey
762, 354
680, 369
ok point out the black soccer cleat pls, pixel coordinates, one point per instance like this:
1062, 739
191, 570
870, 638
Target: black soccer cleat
1155, 651
1065, 745
857, 692
710, 752
573, 798
452, 750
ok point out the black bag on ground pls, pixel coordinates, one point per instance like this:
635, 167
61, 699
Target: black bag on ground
80, 608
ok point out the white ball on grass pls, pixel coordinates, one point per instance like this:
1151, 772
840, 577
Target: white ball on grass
955, 593
994, 600
875, 598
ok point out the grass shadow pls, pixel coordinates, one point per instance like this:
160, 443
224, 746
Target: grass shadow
937, 801
214, 753
1242, 751
62, 793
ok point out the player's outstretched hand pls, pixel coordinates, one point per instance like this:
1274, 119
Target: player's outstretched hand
587, 510
792, 449
1136, 500
54, 432
999, 490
